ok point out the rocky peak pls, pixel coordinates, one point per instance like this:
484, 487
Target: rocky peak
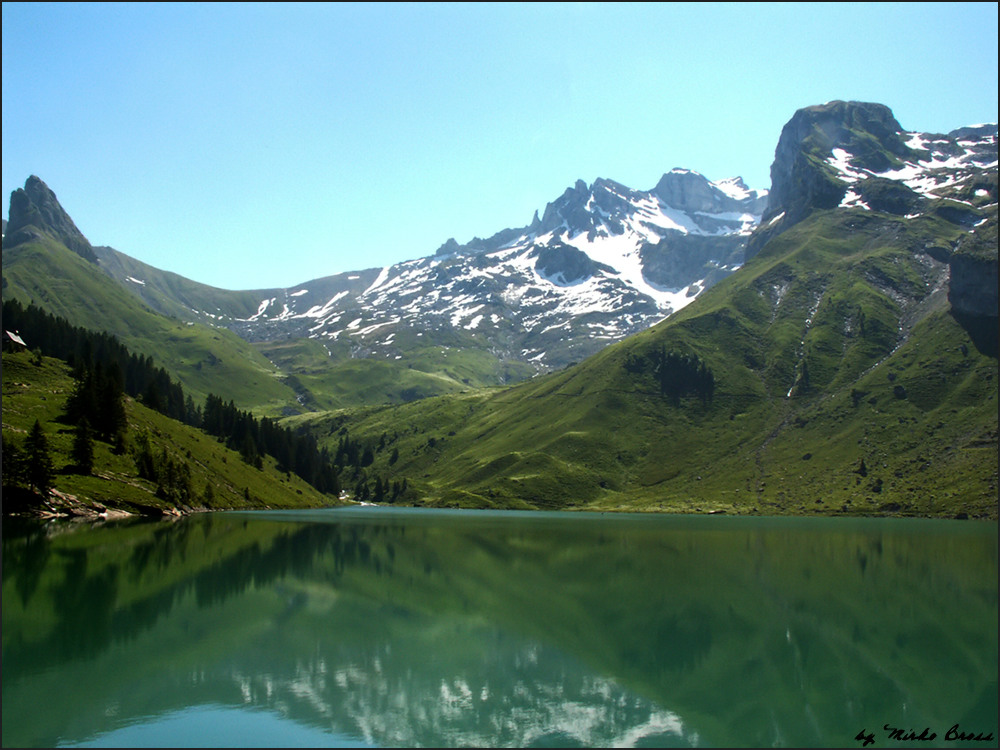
690, 191
802, 179
35, 205
582, 209
869, 132
450, 247
975, 132
569, 208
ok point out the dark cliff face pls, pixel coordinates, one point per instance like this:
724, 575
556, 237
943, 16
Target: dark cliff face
972, 289
35, 208
973, 286
564, 264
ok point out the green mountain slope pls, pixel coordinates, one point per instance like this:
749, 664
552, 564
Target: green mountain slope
38, 389
171, 294
843, 383
39, 268
849, 367
329, 376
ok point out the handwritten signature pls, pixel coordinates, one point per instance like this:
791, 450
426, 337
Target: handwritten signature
909, 735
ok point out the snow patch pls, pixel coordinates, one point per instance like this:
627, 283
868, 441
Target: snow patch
840, 160
318, 311
381, 279
261, 309
734, 188
853, 200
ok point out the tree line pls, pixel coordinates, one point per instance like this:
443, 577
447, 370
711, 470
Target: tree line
105, 370
254, 438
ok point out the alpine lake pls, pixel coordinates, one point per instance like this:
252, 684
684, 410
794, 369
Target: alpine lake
366, 626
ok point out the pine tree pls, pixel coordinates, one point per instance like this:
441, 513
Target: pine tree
15, 464
145, 462
83, 447
39, 460
111, 400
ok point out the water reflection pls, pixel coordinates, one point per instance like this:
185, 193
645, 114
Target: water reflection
219, 726
451, 629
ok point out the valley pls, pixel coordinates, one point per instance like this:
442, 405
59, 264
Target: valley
846, 321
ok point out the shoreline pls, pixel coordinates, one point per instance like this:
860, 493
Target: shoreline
70, 508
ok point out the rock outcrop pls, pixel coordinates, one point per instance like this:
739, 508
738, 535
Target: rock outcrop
856, 155
35, 208
972, 289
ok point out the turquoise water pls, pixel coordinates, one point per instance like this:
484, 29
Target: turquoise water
386, 627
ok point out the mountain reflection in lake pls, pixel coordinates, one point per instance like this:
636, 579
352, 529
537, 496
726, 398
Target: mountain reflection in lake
436, 628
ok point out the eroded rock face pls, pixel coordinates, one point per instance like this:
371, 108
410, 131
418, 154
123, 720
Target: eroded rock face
35, 205
972, 289
563, 264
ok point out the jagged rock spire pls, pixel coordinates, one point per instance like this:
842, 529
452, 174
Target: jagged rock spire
35, 208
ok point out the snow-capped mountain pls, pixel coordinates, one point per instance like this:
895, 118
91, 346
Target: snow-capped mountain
603, 261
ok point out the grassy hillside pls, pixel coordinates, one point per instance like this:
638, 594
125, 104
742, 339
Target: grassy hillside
204, 360
843, 384
272, 378
326, 376
172, 294
37, 389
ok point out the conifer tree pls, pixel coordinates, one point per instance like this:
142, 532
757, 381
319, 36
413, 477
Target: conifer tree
39, 460
15, 465
83, 447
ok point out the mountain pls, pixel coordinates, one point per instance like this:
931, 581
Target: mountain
35, 210
850, 366
845, 154
602, 262
48, 262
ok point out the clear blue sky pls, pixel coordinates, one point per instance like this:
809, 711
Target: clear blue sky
250, 146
